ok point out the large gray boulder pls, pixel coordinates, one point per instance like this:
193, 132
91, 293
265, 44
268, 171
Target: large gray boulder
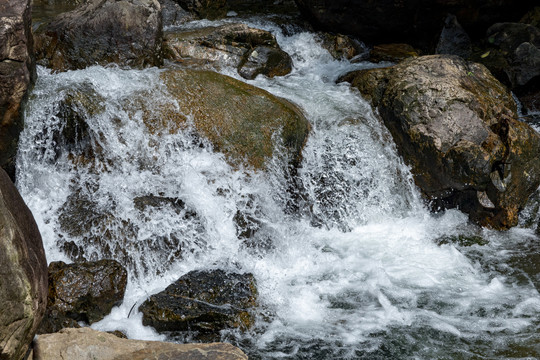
17, 73
89, 344
458, 129
125, 32
23, 273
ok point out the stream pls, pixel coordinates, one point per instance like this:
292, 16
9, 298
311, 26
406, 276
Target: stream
361, 270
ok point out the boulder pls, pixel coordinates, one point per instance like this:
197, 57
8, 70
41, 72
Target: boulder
203, 301
251, 51
416, 22
205, 9
125, 32
82, 292
23, 273
343, 47
17, 74
240, 120
173, 14
89, 344
457, 127
391, 52
454, 40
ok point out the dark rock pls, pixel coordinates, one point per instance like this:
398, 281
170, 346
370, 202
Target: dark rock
240, 120
267, 61
23, 273
173, 14
508, 36
391, 52
205, 9
454, 40
252, 51
532, 17
416, 22
17, 75
82, 292
86, 343
205, 301
457, 127
125, 32
343, 47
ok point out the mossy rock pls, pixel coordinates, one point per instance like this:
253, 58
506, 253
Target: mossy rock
246, 123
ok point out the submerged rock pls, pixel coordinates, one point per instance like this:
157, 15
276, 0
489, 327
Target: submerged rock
82, 292
17, 74
252, 51
246, 123
457, 127
125, 32
204, 301
23, 273
86, 343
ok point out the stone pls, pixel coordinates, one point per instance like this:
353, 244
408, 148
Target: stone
100, 32
458, 129
454, 40
23, 273
17, 75
203, 301
391, 52
408, 21
173, 14
82, 292
89, 344
246, 123
532, 17
252, 51
343, 47
205, 9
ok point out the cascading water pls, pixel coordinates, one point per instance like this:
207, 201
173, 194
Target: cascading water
360, 270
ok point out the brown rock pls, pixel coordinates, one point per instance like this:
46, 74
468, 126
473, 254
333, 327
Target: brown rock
239, 119
23, 273
17, 74
392, 52
82, 292
89, 344
125, 32
457, 127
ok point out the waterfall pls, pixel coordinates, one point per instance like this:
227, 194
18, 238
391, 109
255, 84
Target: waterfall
361, 269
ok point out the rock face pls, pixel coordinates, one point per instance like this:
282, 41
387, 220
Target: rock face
17, 74
409, 21
251, 51
239, 119
89, 344
82, 292
457, 127
204, 301
23, 273
126, 32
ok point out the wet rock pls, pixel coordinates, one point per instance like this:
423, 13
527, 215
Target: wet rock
173, 14
252, 51
82, 292
343, 46
126, 32
23, 273
266, 61
17, 74
204, 301
457, 127
454, 40
391, 52
240, 120
409, 21
205, 9
86, 343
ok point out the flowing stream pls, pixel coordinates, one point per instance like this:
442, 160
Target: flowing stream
361, 270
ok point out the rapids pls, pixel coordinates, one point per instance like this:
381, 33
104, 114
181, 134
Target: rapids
349, 265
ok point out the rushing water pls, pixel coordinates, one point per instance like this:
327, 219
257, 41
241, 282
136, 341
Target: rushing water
360, 270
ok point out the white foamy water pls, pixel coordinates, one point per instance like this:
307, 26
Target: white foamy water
355, 268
